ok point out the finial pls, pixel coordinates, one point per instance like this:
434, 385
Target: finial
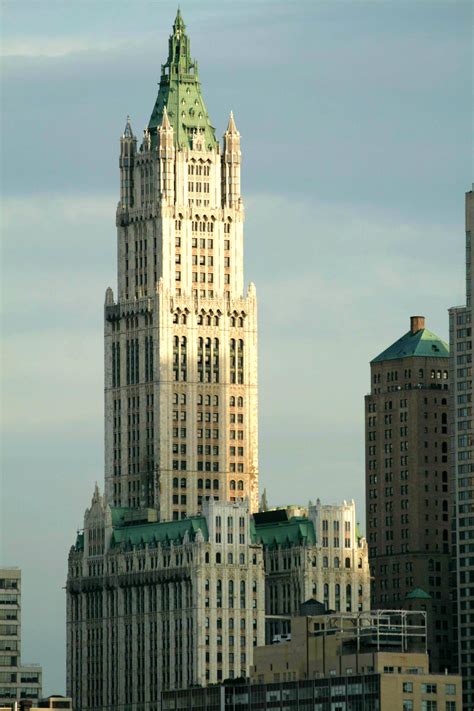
179, 23
165, 122
231, 127
128, 133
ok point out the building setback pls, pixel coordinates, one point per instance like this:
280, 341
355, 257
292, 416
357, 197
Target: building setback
462, 467
407, 482
17, 681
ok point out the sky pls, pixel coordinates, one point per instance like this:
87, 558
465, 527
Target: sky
356, 125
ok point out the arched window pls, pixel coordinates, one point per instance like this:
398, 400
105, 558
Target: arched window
232, 401
242, 559
240, 485
183, 483
218, 557
325, 561
336, 562
230, 558
348, 597
232, 484
208, 483
420, 373
175, 483
326, 594
215, 400
347, 562
215, 484
206, 558
199, 483
240, 402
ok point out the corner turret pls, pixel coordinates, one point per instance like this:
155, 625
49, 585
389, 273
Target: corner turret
128, 149
231, 165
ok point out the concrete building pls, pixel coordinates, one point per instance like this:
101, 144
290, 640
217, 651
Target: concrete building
462, 466
317, 554
367, 661
17, 681
181, 333
153, 605
407, 482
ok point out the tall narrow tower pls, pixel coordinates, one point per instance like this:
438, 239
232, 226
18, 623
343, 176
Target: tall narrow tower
462, 466
181, 336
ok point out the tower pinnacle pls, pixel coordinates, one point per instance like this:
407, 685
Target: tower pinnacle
180, 92
166, 122
179, 25
128, 133
231, 127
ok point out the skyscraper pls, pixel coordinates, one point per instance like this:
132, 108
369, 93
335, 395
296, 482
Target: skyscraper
407, 482
462, 464
181, 335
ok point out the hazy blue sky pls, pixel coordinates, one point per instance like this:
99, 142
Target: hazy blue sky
356, 122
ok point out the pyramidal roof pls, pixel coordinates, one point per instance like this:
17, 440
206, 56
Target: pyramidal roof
180, 92
417, 594
418, 341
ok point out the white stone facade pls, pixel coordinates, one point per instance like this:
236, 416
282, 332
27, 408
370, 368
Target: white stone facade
155, 606
333, 568
181, 338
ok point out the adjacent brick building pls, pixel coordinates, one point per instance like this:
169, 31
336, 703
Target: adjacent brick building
407, 482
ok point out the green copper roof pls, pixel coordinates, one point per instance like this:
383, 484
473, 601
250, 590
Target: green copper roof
423, 343
296, 531
166, 532
417, 594
180, 92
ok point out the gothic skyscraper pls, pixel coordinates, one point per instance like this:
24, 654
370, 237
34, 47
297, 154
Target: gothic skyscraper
181, 335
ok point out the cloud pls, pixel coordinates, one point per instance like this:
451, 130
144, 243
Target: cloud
56, 47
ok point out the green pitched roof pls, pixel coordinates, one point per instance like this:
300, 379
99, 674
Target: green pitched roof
180, 92
296, 531
166, 532
417, 594
423, 343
